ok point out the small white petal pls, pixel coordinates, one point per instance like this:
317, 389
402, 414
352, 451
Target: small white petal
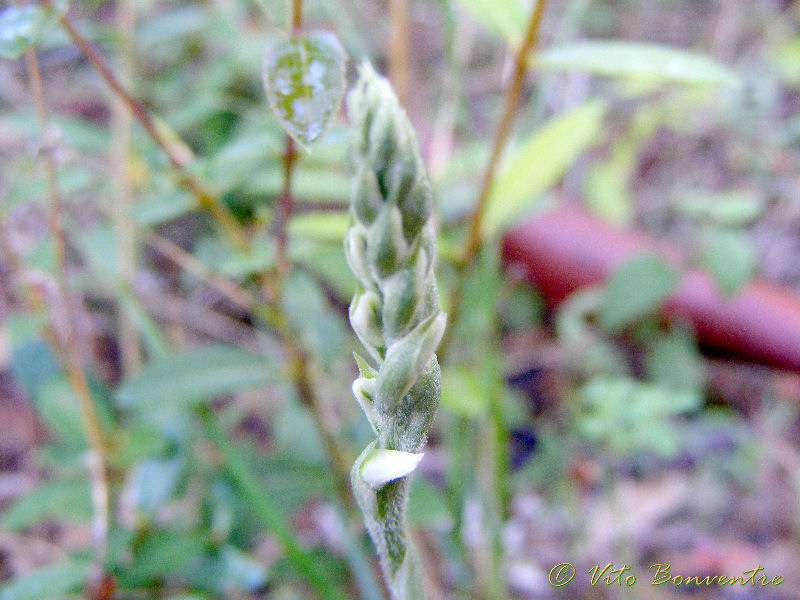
382, 466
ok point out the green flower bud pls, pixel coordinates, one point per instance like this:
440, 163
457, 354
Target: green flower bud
365, 318
406, 358
355, 251
387, 248
367, 200
405, 295
390, 247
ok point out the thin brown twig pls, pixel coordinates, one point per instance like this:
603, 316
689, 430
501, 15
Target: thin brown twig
285, 206
71, 352
176, 150
227, 287
121, 123
398, 48
296, 18
473, 240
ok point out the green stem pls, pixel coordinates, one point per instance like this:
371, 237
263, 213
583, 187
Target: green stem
473, 240
269, 512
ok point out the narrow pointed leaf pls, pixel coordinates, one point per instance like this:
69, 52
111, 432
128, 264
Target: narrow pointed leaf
305, 80
629, 59
540, 162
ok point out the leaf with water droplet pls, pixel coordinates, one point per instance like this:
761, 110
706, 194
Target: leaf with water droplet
305, 80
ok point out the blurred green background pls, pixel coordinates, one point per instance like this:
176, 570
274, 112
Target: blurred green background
589, 433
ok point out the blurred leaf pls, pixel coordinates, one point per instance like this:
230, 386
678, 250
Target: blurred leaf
161, 207
540, 162
229, 572
163, 553
267, 508
427, 504
327, 262
504, 17
462, 392
235, 263
310, 184
30, 188
135, 443
730, 257
22, 27
311, 317
245, 155
58, 499
57, 405
631, 59
635, 289
630, 416
732, 208
46, 583
673, 359
320, 226
195, 375
33, 364
151, 483
304, 80
165, 27
786, 59
84, 134
606, 188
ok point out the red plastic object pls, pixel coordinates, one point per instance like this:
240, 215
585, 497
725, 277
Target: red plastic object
567, 248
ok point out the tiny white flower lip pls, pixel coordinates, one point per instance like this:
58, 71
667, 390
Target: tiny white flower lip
382, 466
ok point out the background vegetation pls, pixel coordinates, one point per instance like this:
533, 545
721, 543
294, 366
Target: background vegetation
176, 419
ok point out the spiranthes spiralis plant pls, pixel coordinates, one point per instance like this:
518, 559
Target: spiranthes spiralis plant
390, 247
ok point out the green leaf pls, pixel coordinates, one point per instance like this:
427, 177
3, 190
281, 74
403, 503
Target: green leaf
427, 505
322, 226
52, 581
540, 162
268, 511
59, 499
463, 392
33, 364
194, 376
730, 258
152, 482
304, 79
164, 553
630, 59
635, 289
504, 17
673, 359
163, 206
22, 27
730, 208
58, 406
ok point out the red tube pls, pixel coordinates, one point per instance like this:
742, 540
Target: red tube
566, 248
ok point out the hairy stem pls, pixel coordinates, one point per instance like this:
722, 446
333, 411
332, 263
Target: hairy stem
68, 341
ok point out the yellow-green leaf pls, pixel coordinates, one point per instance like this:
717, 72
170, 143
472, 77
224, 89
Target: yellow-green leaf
540, 162
633, 59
